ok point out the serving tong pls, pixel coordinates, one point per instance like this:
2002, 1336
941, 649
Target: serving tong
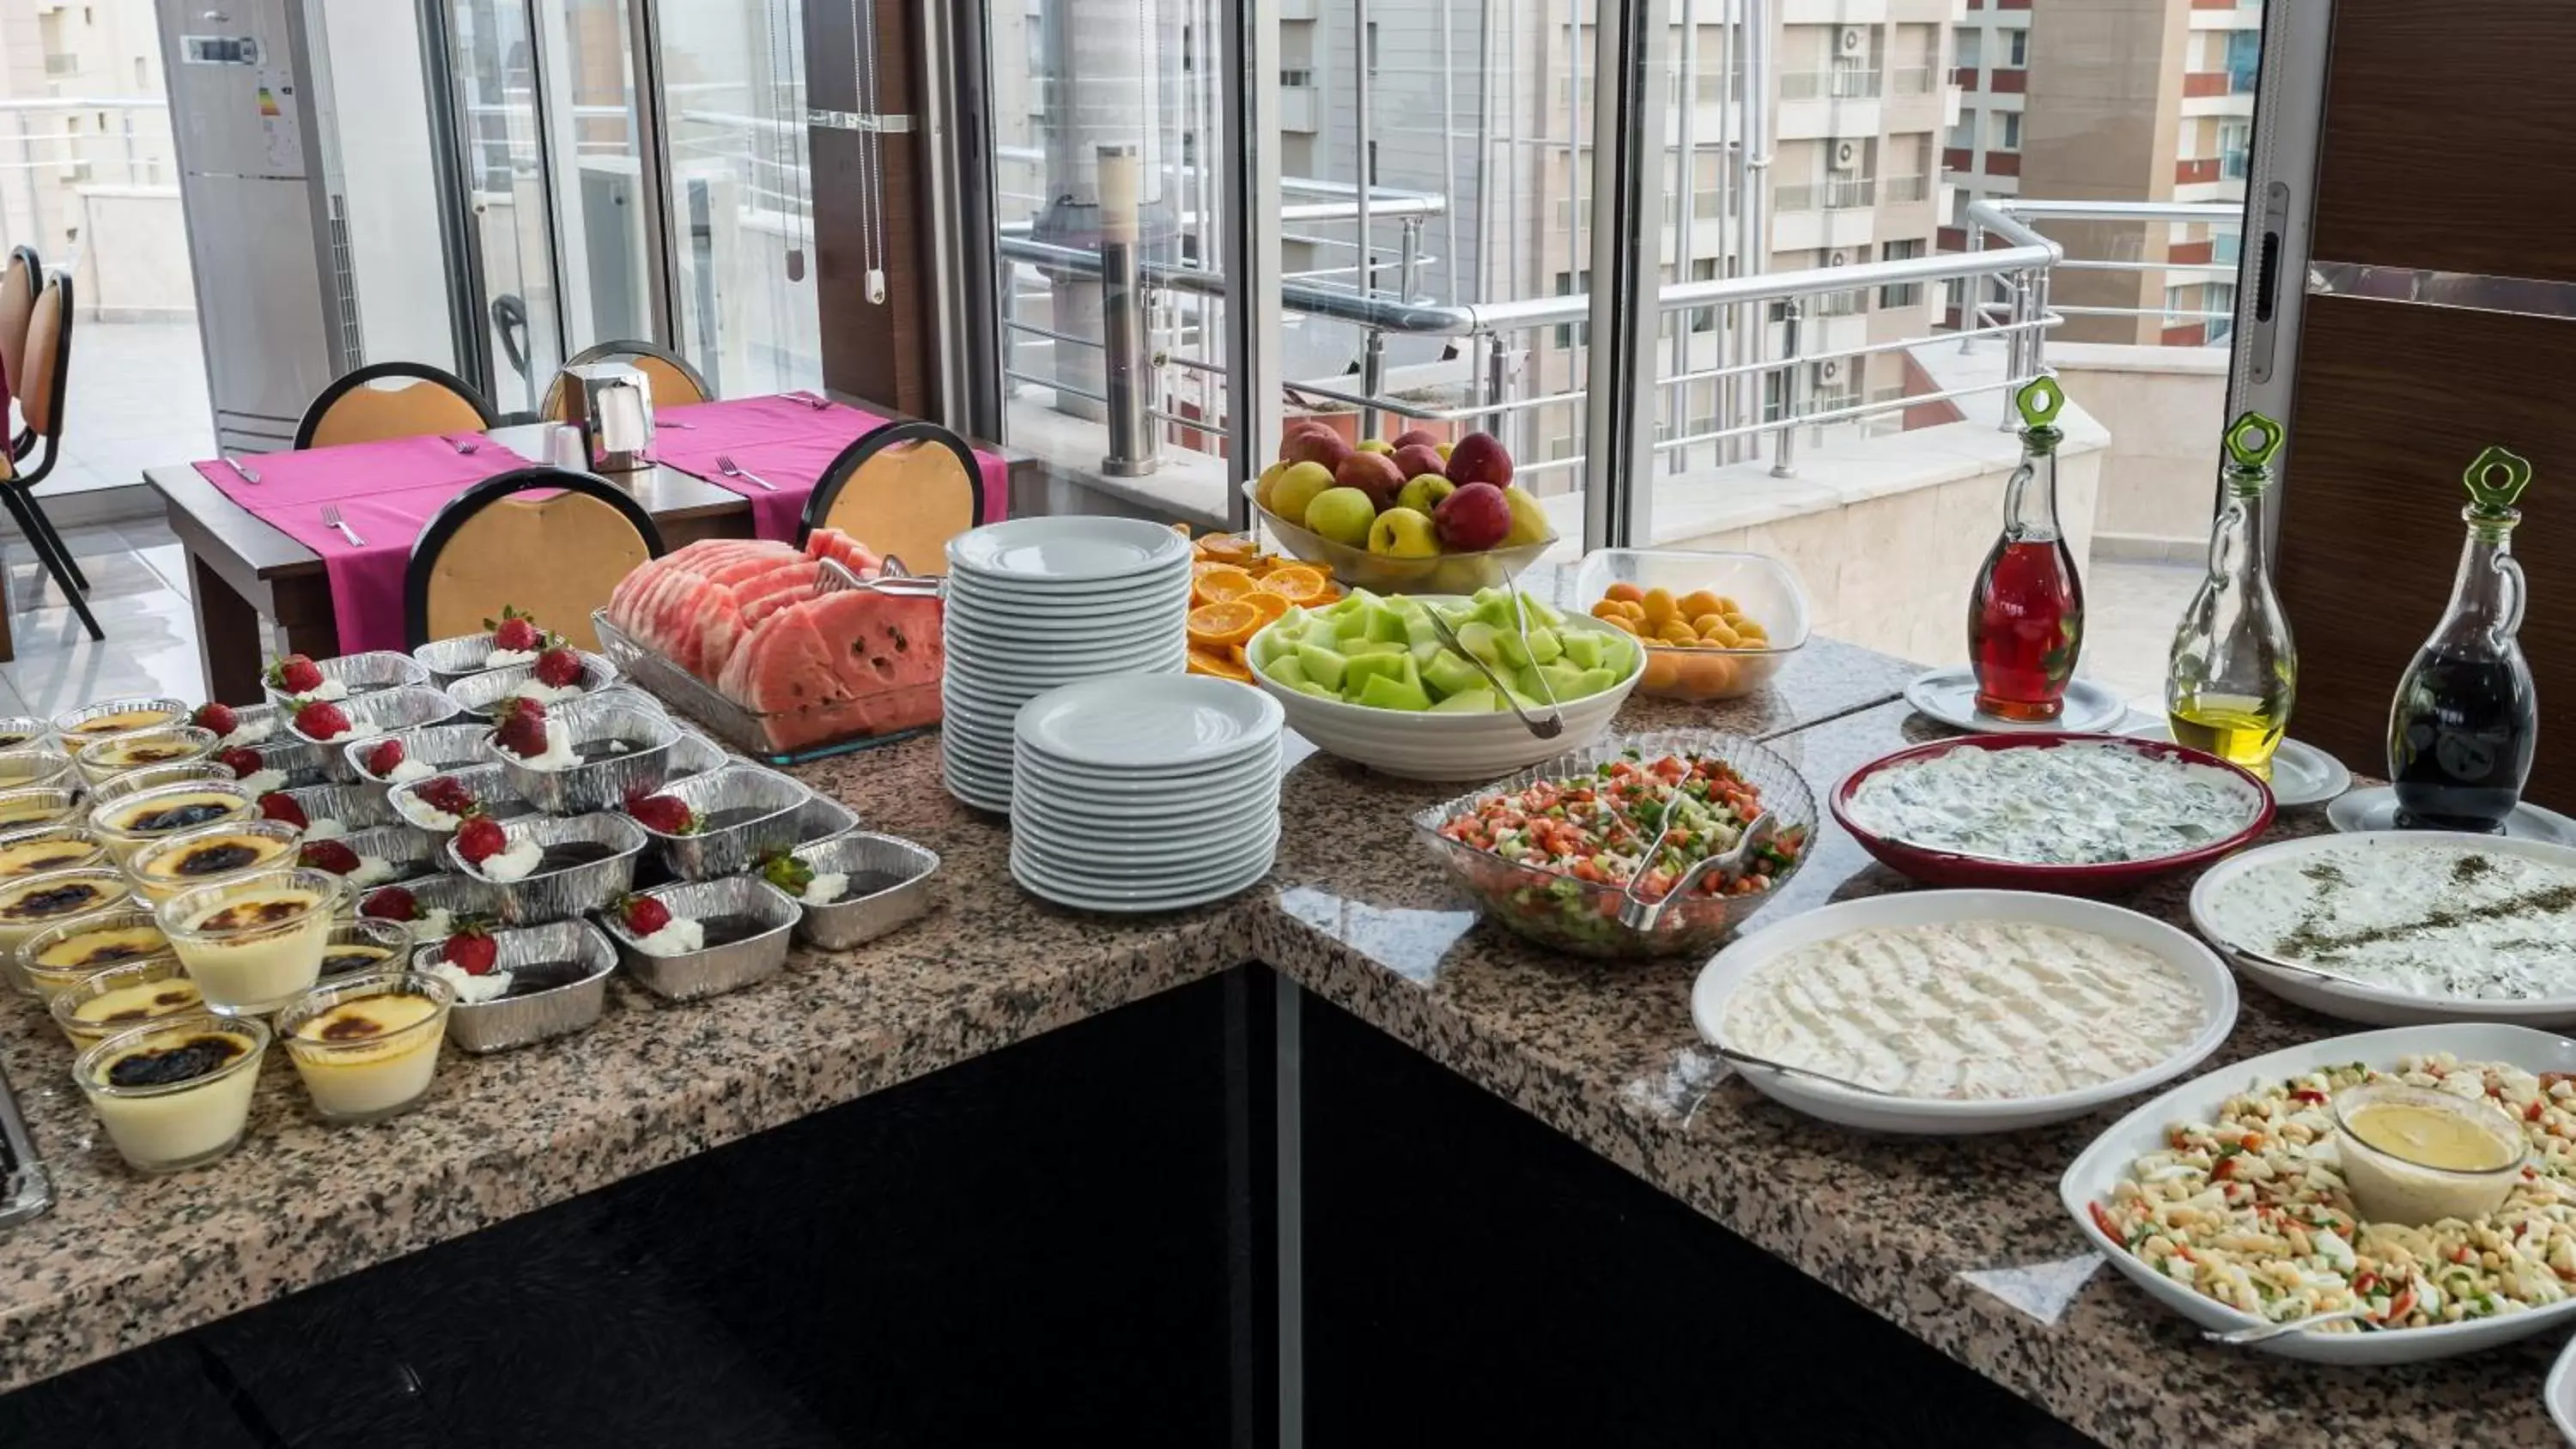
892, 578
1637, 913
1547, 725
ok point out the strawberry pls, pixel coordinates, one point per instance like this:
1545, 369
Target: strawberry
664, 814
642, 915
560, 665
217, 717
295, 674
520, 727
329, 855
242, 761
448, 794
322, 720
479, 839
278, 805
787, 873
471, 950
390, 903
381, 758
513, 630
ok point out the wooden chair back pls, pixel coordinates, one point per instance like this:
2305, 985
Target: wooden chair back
393, 400
903, 490
47, 359
557, 558
674, 382
19, 284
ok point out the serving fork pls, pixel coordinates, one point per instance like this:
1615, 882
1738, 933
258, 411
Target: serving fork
726, 465
331, 519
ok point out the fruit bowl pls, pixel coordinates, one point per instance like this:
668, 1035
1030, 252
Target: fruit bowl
1767, 589
1435, 745
1447, 573
1582, 917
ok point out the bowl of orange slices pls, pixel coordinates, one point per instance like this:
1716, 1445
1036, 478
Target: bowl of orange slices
1236, 590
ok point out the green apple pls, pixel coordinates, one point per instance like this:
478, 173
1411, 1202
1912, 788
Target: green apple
1377, 445
1403, 533
1342, 515
1424, 493
1296, 488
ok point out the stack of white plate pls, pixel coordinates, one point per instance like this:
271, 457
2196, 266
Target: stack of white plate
1145, 792
1038, 602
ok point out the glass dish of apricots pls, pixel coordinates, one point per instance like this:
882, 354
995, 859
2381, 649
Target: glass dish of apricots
1715, 625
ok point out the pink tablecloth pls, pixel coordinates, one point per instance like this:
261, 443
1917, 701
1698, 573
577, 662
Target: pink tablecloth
386, 491
789, 442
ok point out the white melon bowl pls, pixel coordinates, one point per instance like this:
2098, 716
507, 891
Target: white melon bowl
1446, 745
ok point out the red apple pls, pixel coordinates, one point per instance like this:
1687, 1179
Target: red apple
1474, 518
1315, 445
1411, 436
1374, 474
1296, 426
1416, 459
1477, 458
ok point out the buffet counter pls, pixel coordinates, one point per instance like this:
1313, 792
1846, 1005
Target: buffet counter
1964, 1243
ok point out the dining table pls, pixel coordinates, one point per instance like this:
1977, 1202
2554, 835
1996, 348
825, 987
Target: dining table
244, 571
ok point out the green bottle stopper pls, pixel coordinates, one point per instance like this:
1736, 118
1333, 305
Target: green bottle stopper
2252, 440
2496, 481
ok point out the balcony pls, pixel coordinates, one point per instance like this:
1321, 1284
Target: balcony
1896, 189
1835, 194
1296, 107
1842, 83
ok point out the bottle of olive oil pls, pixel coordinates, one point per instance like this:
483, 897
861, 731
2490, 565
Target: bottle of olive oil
2234, 671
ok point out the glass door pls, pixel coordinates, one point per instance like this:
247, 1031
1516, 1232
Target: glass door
601, 153
510, 281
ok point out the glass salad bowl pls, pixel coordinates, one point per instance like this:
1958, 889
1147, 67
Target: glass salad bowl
1581, 916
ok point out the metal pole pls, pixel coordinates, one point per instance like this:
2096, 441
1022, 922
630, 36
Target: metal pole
1686, 179
1969, 288
1784, 439
1122, 317
1753, 223
2013, 346
1249, 63
1497, 378
1373, 351
1627, 266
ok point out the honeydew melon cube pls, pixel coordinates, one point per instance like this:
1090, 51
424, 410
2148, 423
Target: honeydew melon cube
1593, 681
1319, 691
1583, 648
1386, 624
1385, 692
1418, 628
1426, 650
1541, 612
1285, 671
1361, 668
1618, 654
1482, 640
1546, 646
1358, 647
1322, 666
1450, 674
1480, 700
1515, 649
1270, 646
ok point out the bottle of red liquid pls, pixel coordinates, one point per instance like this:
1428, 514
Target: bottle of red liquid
2026, 614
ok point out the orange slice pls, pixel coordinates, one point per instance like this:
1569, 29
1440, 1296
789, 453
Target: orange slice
1271, 605
1227, 547
1298, 584
1222, 666
1217, 625
1224, 583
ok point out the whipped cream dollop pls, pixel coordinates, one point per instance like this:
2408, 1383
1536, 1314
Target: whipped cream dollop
328, 689
433, 925
423, 814
678, 938
826, 887
260, 782
504, 658
471, 988
372, 870
544, 693
248, 732
325, 830
515, 862
408, 771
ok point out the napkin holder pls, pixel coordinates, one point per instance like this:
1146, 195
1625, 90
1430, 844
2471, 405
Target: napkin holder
612, 404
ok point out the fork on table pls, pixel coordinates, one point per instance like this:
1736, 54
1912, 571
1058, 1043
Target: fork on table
331, 519
726, 465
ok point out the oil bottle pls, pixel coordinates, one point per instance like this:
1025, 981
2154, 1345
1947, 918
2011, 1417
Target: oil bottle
2026, 613
2461, 730
2234, 672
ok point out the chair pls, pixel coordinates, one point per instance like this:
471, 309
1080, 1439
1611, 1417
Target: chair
426, 399
674, 381
557, 558
45, 370
903, 490
19, 284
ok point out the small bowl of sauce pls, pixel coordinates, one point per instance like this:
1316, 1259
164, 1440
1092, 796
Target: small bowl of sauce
2412, 1155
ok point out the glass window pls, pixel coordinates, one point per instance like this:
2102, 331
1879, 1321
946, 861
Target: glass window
1965, 42
1963, 136
2244, 60
2007, 131
2017, 47
1901, 294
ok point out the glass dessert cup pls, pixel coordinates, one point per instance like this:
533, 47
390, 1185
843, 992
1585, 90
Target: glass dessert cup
63, 955
165, 868
174, 1093
31, 903
362, 946
255, 942
128, 823
105, 759
367, 1046
122, 998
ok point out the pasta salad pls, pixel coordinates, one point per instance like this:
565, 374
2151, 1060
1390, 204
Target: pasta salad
2251, 1210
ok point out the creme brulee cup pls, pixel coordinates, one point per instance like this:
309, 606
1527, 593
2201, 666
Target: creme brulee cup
127, 823
175, 1093
254, 942
210, 855
122, 998
367, 1046
105, 759
30, 903
62, 956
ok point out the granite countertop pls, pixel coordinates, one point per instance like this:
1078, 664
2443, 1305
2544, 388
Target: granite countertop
1962, 1243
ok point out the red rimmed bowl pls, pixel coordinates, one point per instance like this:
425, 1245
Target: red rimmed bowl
1938, 867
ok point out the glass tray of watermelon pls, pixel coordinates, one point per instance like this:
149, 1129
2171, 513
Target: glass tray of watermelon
787, 656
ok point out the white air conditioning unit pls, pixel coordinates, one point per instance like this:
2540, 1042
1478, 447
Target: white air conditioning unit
1838, 259
1830, 370
1853, 41
1846, 155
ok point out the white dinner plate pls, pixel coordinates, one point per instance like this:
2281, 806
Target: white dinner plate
2301, 774
2102, 1165
1079, 870
1173, 855
1066, 548
1950, 696
1059, 619
1945, 1117
1032, 587
2375, 808
974, 792
1038, 672
1255, 769
1159, 722
1137, 901
1142, 814
2559, 1394
2378, 1005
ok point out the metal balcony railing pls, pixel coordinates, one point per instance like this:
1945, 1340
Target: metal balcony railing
1838, 193
1843, 83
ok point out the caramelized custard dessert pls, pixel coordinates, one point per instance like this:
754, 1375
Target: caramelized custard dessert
113, 755
364, 946
367, 1047
174, 863
40, 806
118, 717
60, 957
121, 998
253, 942
30, 903
174, 1093
125, 824
47, 847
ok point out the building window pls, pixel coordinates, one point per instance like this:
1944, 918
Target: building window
2017, 46
1703, 269
2007, 131
1573, 334
1902, 294
2235, 149
2244, 60
1963, 136
2219, 297
1296, 80
1372, 47
1966, 42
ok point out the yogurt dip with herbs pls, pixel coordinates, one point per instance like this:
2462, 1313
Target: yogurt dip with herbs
2426, 917
2074, 804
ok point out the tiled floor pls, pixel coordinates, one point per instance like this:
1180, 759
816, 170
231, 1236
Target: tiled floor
138, 589
137, 399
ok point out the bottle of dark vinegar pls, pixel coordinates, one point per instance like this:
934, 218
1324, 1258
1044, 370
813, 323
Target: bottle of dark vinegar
2465, 720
